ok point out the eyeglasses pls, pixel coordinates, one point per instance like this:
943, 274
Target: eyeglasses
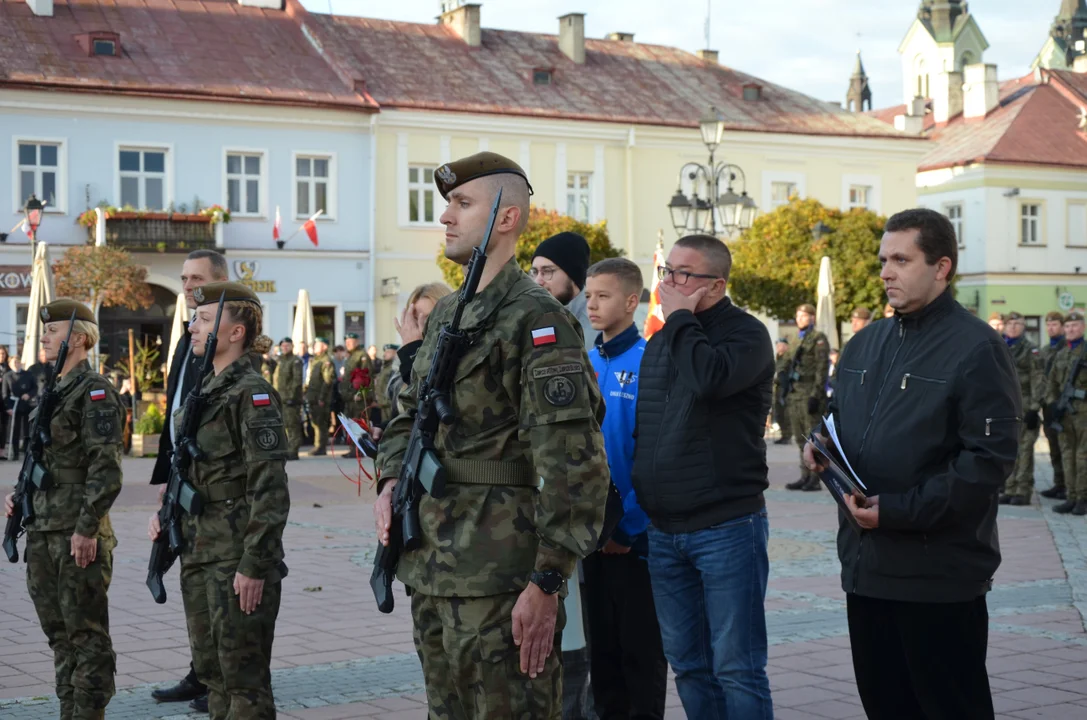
680, 277
547, 272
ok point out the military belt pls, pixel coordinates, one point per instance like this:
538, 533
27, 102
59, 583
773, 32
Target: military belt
489, 472
222, 491
69, 476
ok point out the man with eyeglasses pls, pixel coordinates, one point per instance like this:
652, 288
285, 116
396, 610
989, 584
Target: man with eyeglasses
699, 473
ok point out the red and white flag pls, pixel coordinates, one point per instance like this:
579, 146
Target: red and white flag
543, 336
654, 321
275, 228
310, 226
261, 399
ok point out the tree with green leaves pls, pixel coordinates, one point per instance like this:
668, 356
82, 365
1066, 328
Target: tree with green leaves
542, 224
775, 264
102, 277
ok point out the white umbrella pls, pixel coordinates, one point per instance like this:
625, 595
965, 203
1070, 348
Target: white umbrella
304, 328
42, 292
178, 326
824, 308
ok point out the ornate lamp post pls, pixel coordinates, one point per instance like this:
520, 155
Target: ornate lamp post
33, 211
714, 206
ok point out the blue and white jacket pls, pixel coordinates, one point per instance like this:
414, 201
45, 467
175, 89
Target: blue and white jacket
617, 363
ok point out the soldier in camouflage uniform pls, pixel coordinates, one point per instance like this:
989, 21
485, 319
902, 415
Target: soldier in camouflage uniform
782, 363
232, 559
1073, 439
287, 380
389, 367
807, 399
356, 359
69, 548
1032, 389
1054, 326
319, 387
527, 475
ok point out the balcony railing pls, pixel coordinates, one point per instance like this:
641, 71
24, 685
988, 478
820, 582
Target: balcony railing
158, 232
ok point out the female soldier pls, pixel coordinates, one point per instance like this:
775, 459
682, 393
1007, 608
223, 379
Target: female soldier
69, 547
232, 560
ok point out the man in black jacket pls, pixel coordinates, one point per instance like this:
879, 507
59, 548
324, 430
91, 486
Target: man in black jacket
19, 392
200, 268
699, 473
927, 409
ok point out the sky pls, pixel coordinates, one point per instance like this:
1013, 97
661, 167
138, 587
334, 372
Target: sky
805, 45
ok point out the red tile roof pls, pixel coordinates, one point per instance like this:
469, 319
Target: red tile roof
171, 48
415, 66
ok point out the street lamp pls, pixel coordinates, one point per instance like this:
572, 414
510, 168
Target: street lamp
718, 201
33, 211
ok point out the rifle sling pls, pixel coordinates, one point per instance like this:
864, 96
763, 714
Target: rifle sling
69, 476
218, 492
489, 472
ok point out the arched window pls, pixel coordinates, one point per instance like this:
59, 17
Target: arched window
921, 73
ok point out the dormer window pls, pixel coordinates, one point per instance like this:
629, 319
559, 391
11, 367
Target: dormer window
752, 92
105, 47
100, 43
543, 76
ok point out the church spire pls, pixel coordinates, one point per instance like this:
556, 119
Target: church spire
940, 16
1069, 28
859, 91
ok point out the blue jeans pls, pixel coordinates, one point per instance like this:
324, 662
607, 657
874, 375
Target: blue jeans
709, 587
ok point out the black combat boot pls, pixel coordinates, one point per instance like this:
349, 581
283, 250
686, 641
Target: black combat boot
813, 484
1018, 500
200, 704
797, 484
1054, 493
1005, 499
1065, 507
1080, 508
188, 689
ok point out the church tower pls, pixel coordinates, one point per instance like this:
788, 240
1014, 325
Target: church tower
943, 38
859, 92
1067, 37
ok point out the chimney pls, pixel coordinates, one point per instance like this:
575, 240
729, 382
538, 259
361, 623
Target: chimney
913, 122
263, 4
980, 90
41, 8
464, 19
572, 36
709, 56
947, 97
621, 37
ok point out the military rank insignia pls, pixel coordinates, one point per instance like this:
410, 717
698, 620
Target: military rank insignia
544, 336
261, 399
97, 395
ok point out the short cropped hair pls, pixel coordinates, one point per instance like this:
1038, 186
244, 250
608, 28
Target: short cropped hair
217, 260
716, 252
628, 272
935, 238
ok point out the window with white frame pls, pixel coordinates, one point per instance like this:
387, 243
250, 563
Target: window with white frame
781, 193
422, 195
313, 185
40, 172
579, 195
859, 196
1077, 224
243, 178
143, 178
954, 214
1030, 227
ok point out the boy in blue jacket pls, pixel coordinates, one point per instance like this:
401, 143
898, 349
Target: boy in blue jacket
628, 669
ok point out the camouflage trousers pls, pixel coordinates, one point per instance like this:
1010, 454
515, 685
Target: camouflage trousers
1054, 449
74, 613
231, 651
319, 419
801, 422
1021, 481
292, 424
471, 667
1074, 456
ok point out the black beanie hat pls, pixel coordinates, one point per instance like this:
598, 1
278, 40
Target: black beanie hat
570, 252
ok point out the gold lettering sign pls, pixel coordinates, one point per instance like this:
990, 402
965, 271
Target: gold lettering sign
246, 272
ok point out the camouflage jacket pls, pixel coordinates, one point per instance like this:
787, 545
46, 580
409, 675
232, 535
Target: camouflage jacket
242, 478
1063, 365
381, 386
84, 458
528, 406
357, 359
814, 364
287, 379
322, 378
1031, 371
1048, 354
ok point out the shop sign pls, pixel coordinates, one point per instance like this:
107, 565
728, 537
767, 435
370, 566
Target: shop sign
246, 271
15, 279
1066, 301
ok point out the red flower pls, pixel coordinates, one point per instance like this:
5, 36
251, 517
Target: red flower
360, 378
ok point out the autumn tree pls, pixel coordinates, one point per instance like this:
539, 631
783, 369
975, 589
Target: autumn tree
775, 264
102, 277
542, 224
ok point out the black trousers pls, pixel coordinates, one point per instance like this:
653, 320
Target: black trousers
924, 661
628, 670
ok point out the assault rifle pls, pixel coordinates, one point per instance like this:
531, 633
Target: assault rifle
1063, 406
33, 476
789, 378
180, 495
421, 470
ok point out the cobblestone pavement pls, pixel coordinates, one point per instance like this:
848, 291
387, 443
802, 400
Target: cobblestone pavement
337, 657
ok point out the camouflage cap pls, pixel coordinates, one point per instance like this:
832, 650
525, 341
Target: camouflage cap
1054, 315
806, 307
63, 308
1013, 316
1074, 316
452, 175
862, 313
210, 293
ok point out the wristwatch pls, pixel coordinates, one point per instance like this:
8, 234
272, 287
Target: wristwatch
550, 581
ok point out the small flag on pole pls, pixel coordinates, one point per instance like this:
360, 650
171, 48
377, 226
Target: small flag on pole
310, 226
27, 230
275, 228
654, 321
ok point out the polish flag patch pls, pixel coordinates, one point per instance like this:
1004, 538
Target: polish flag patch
543, 336
97, 395
261, 400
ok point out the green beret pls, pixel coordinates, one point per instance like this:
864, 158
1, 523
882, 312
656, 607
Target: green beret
1074, 316
1054, 315
320, 339
210, 293
806, 307
351, 336
1014, 316
62, 309
862, 313
453, 175
391, 346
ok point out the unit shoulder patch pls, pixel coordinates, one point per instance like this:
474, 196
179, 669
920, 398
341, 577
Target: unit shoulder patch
552, 370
